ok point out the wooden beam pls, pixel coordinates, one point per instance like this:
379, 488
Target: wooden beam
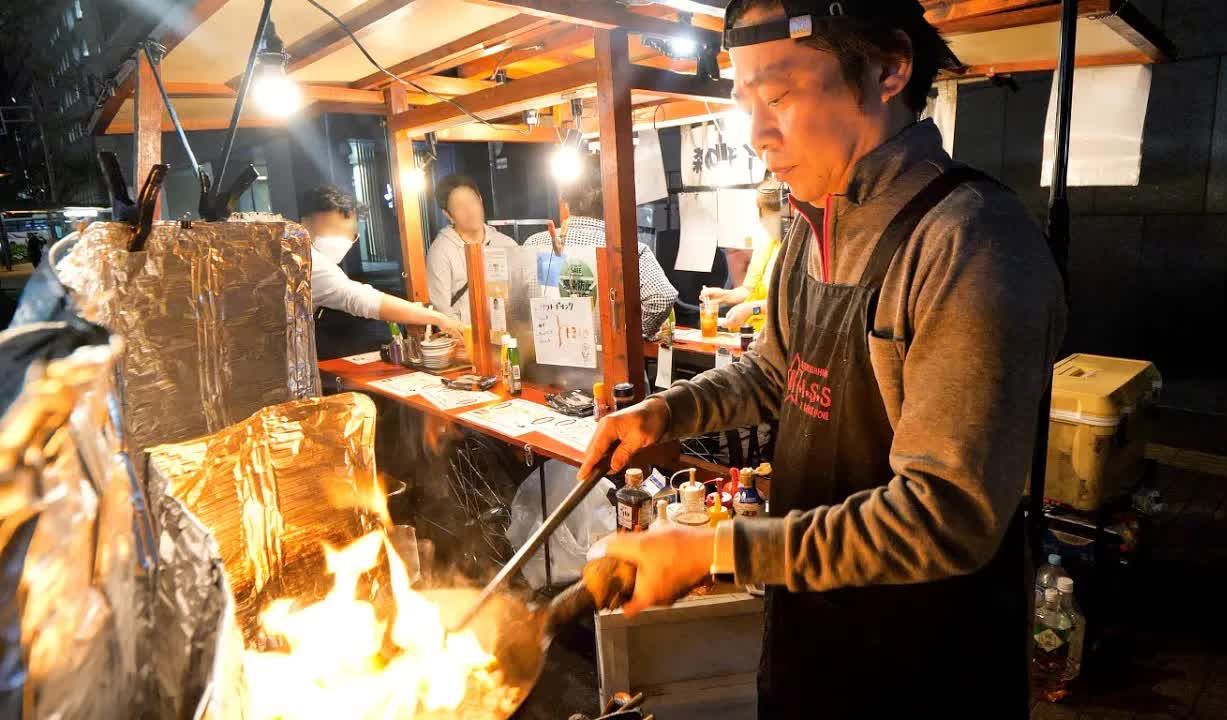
621, 321
1019, 18
169, 33
147, 124
942, 11
558, 42
667, 83
408, 205
329, 38
322, 107
479, 316
1128, 58
547, 88
452, 86
604, 15
310, 92
487, 41
215, 122
476, 132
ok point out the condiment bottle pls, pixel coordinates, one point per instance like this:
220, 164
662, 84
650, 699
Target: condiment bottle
747, 337
600, 404
747, 501
635, 509
514, 384
662, 514
396, 350
502, 353
624, 396
717, 513
666, 330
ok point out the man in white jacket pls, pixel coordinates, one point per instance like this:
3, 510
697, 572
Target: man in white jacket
331, 216
460, 200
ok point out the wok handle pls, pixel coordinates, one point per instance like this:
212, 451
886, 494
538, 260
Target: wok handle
513, 566
606, 583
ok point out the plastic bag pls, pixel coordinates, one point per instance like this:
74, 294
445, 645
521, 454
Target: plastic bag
592, 519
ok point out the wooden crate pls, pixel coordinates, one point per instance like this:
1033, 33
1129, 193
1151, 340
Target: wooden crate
697, 659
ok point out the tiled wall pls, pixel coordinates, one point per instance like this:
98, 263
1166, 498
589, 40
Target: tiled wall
1148, 264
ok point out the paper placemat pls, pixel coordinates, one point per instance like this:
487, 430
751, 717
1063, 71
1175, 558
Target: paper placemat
408, 384
363, 359
514, 417
446, 398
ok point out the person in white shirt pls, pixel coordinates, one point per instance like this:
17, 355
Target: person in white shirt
460, 200
331, 217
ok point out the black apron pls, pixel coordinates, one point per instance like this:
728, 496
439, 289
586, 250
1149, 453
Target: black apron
952, 648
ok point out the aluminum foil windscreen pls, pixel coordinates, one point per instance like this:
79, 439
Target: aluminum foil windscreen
272, 488
216, 318
76, 570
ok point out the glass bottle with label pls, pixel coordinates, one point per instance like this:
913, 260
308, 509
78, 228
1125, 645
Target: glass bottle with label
600, 405
514, 384
747, 501
635, 509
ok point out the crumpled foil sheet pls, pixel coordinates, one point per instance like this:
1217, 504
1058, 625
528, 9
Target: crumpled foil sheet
272, 488
216, 318
70, 573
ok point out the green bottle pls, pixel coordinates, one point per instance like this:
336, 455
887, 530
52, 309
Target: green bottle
514, 385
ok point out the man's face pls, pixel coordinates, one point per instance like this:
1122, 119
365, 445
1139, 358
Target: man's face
465, 210
807, 124
331, 224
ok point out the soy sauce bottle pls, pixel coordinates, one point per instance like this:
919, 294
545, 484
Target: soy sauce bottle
635, 510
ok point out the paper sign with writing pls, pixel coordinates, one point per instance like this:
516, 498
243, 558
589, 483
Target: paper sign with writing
718, 154
564, 331
363, 359
409, 384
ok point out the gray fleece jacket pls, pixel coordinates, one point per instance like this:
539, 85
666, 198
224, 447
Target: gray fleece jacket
975, 307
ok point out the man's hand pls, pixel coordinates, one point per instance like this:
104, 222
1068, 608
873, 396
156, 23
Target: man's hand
738, 315
669, 563
624, 433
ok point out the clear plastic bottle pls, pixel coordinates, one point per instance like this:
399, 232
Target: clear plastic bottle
635, 509
1049, 573
1077, 637
1051, 635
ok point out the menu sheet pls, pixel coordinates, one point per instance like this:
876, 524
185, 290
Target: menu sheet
574, 432
446, 398
363, 359
694, 335
409, 384
514, 417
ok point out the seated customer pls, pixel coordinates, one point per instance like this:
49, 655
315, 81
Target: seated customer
331, 216
749, 300
585, 207
460, 200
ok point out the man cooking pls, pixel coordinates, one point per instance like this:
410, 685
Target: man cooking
914, 317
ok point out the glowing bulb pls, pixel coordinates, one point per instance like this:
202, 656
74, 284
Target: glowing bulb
736, 127
683, 47
566, 165
413, 180
275, 94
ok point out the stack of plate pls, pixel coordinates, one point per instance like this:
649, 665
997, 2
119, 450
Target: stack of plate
437, 352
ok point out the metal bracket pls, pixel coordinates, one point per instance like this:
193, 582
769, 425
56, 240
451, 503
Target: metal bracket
529, 460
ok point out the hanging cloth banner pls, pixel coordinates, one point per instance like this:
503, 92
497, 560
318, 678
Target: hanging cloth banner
1109, 114
719, 155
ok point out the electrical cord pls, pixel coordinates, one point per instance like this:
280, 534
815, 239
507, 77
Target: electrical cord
341, 24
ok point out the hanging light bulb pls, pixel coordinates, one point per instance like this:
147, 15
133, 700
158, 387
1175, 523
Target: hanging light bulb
274, 92
413, 180
566, 164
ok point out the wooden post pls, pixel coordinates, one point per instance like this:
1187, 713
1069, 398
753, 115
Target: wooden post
408, 204
621, 322
146, 126
479, 316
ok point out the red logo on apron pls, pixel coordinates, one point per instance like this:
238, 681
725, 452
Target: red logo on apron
808, 388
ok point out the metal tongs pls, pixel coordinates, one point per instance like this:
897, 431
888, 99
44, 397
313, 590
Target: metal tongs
535, 541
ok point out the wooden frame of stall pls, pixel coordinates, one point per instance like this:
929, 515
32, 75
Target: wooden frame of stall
552, 51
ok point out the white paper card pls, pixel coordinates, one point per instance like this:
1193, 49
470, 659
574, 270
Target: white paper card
446, 398
700, 231
564, 332
574, 432
664, 366
514, 417
406, 385
363, 359
498, 315
724, 358
1108, 117
496, 265
650, 183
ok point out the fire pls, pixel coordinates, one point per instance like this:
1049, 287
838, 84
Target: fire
343, 660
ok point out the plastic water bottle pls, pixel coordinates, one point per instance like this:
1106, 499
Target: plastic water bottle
1049, 574
1077, 637
1051, 634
